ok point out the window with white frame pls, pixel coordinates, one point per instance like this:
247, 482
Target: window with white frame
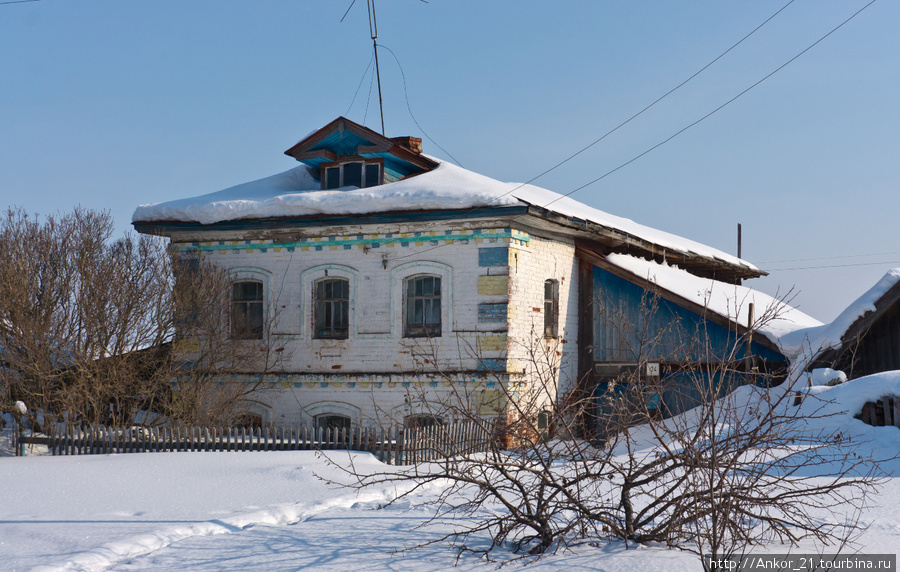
247, 310
352, 174
551, 308
422, 316
332, 308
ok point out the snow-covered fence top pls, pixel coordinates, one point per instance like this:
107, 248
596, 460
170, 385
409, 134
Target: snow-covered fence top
389, 445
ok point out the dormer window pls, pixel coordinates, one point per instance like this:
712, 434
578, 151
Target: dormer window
351, 174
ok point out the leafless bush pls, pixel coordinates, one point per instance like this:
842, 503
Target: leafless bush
744, 467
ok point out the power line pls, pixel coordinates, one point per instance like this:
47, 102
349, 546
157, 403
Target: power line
620, 125
883, 262
635, 158
714, 111
348, 10
406, 95
18, 1
830, 257
361, 80
660, 98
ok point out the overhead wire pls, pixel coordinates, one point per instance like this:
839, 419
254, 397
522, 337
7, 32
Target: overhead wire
361, 80
653, 103
348, 10
830, 257
714, 111
369, 98
409, 108
882, 262
622, 124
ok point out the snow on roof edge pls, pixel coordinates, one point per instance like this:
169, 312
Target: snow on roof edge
811, 342
296, 192
729, 301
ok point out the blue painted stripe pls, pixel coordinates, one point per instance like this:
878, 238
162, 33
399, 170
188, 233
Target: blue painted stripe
492, 365
496, 256
492, 313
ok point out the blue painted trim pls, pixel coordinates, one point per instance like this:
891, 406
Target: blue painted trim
492, 365
492, 313
374, 242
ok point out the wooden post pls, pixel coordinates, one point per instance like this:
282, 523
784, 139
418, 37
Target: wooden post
748, 354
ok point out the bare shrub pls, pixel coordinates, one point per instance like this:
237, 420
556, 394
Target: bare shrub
743, 467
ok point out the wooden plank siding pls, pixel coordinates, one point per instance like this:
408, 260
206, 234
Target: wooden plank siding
877, 349
871, 344
695, 348
633, 324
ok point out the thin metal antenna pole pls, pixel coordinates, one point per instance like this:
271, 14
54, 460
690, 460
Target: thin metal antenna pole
373, 31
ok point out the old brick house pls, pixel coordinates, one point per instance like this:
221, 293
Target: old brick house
387, 272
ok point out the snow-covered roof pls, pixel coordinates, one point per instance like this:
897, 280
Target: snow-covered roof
774, 318
812, 341
296, 193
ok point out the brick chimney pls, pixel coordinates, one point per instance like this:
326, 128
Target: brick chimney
414, 144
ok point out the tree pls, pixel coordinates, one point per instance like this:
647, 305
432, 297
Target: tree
96, 330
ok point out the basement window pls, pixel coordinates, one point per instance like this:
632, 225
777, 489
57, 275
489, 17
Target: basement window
351, 174
422, 421
333, 422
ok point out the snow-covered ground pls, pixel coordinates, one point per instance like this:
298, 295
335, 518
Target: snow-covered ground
270, 511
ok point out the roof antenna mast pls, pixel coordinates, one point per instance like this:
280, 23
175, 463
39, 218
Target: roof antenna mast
373, 31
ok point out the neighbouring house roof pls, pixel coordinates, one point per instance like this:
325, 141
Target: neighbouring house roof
818, 342
773, 317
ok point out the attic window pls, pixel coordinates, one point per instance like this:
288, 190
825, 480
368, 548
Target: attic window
351, 174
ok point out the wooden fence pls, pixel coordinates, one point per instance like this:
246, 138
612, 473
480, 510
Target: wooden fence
884, 412
392, 445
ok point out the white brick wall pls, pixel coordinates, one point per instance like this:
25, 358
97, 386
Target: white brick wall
376, 368
545, 259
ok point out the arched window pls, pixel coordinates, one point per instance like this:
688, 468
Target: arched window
333, 421
332, 309
247, 310
422, 307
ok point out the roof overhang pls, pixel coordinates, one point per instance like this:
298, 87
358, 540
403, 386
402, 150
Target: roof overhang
600, 261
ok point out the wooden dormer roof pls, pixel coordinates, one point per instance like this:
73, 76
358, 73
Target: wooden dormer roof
345, 139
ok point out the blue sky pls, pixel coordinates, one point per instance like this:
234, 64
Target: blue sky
110, 104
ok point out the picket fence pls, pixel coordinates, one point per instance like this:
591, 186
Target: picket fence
391, 445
